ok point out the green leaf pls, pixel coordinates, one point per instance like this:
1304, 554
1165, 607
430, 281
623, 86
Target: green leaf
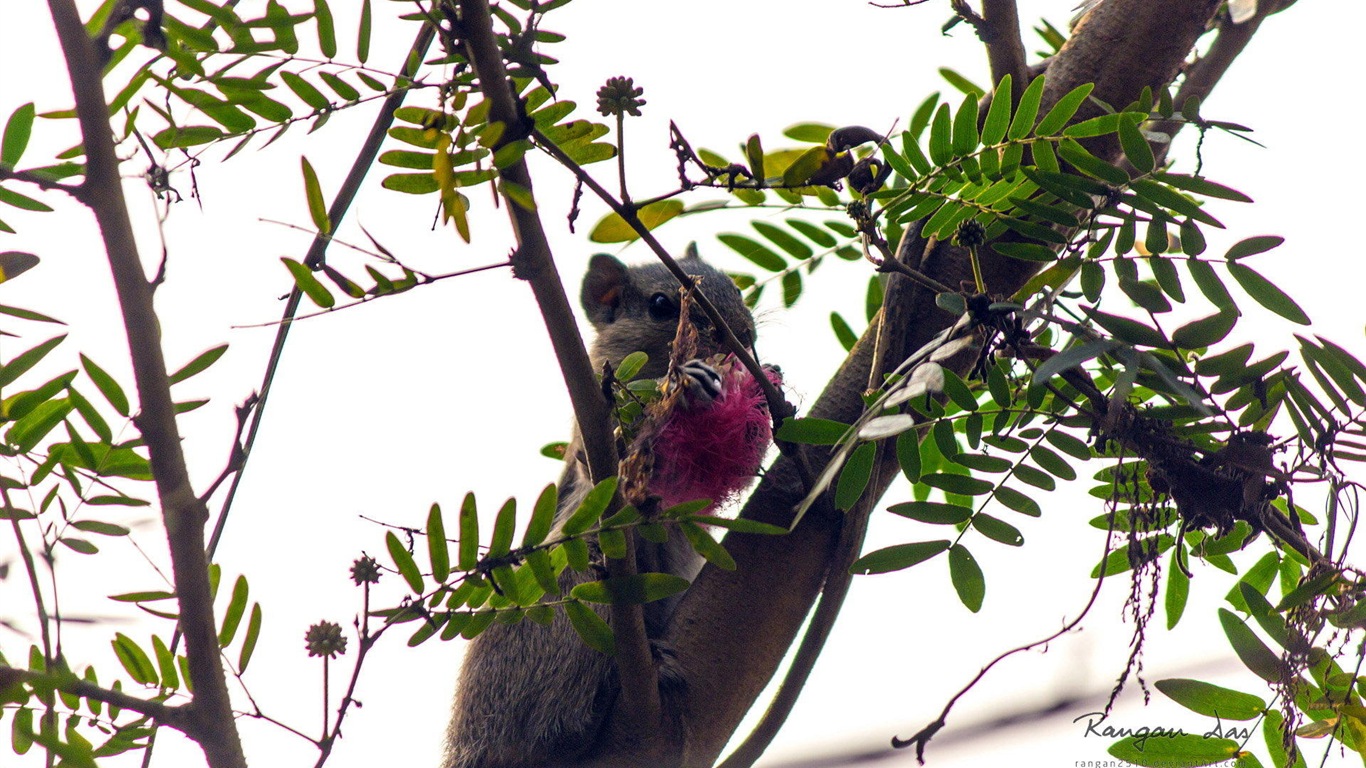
1206, 331
707, 547
404, 562
199, 364
998, 114
1212, 700
100, 527
1013, 499
1096, 126
1053, 463
967, 577
965, 136
957, 391
1128, 330
438, 549
468, 552
1201, 186
249, 640
754, 251
908, 455
814, 133
962, 485
933, 512
363, 34
1266, 293
25, 360
104, 383
1089, 164
811, 431
614, 229
1145, 295
735, 524
79, 545
1027, 110
854, 476
1210, 285
327, 35
542, 517
941, 137
1178, 590
591, 627
134, 660
1171, 749
307, 282
897, 557
754, 154
317, 207
1136, 147
807, 165
180, 137
306, 91
1250, 649
1151, 190
783, 239
997, 530
969, 88
166, 663
233, 616
504, 528
846, 336
18, 129
1063, 110
411, 183
1025, 251
594, 504
636, 589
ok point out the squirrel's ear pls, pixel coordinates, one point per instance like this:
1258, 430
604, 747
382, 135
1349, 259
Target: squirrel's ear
691, 252
603, 289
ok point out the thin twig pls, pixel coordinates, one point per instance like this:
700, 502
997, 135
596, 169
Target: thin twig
533, 262
340, 205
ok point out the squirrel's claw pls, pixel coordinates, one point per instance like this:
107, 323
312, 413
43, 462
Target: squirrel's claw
702, 381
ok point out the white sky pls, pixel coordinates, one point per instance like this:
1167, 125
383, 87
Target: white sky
381, 410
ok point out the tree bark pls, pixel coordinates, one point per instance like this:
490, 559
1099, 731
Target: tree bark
732, 629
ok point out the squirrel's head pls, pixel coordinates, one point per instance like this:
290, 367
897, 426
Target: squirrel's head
636, 309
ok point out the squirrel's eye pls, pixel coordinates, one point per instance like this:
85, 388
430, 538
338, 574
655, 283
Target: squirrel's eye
662, 307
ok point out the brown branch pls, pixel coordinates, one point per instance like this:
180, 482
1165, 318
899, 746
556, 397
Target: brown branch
732, 629
534, 263
38, 180
174, 716
211, 722
998, 27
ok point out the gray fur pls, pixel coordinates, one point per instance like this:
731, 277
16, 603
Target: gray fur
536, 695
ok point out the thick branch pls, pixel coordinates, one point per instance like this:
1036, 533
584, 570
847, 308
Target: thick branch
1000, 31
733, 628
533, 262
183, 514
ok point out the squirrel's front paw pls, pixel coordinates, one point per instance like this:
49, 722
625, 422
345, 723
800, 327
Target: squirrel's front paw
702, 381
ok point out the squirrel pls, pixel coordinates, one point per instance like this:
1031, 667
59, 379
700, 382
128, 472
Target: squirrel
532, 694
